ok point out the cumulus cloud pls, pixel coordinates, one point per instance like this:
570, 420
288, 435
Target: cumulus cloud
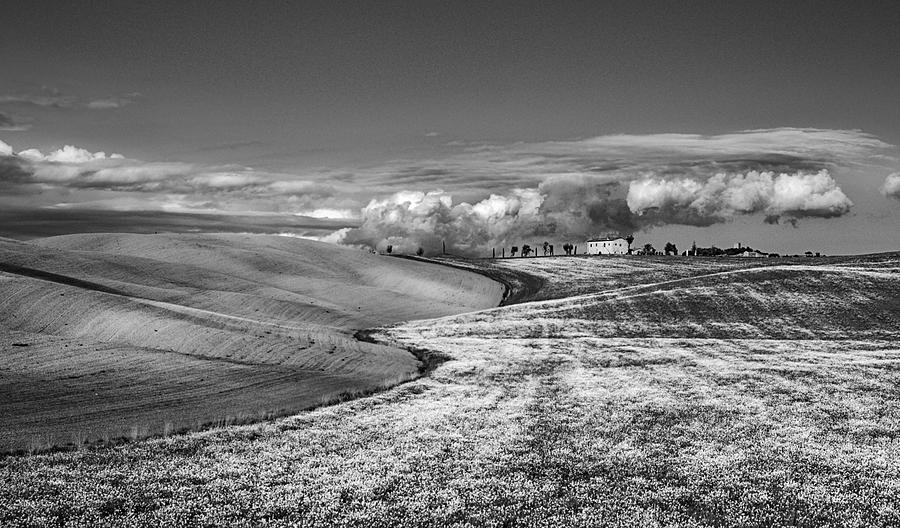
575, 206
5, 150
67, 154
891, 187
723, 196
410, 219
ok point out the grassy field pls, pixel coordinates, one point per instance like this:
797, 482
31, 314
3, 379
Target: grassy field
709, 396
109, 336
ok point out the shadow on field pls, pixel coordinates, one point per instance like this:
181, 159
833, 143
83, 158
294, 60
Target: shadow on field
519, 287
59, 279
428, 359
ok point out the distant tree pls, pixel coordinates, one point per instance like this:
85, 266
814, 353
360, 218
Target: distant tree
513, 251
671, 249
526, 250
649, 249
629, 239
390, 249
710, 252
809, 253
420, 251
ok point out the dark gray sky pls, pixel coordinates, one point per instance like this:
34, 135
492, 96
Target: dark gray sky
330, 92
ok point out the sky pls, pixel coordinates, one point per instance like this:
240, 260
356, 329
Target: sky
479, 124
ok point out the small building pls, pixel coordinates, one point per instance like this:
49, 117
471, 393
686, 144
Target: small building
611, 245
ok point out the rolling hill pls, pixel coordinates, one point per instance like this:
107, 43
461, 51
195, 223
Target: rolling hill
105, 335
629, 392
707, 298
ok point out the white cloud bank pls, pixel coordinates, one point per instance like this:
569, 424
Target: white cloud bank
572, 207
410, 219
67, 154
724, 196
891, 187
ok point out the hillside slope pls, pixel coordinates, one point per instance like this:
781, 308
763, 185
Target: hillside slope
827, 301
104, 335
711, 396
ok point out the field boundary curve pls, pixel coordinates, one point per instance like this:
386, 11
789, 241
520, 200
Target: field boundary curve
518, 286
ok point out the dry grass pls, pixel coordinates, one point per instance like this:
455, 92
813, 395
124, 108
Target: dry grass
565, 276
126, 333
528, 424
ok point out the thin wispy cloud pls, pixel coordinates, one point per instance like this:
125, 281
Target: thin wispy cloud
113, 181
108, 103
50, 98
45, 100
231, 146
8, 124
622, 156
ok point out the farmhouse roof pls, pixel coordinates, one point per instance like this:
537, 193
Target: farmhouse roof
605, 239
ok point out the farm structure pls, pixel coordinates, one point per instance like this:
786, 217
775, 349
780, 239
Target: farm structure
612, 245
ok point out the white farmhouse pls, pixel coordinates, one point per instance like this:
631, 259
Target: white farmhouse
607, 246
